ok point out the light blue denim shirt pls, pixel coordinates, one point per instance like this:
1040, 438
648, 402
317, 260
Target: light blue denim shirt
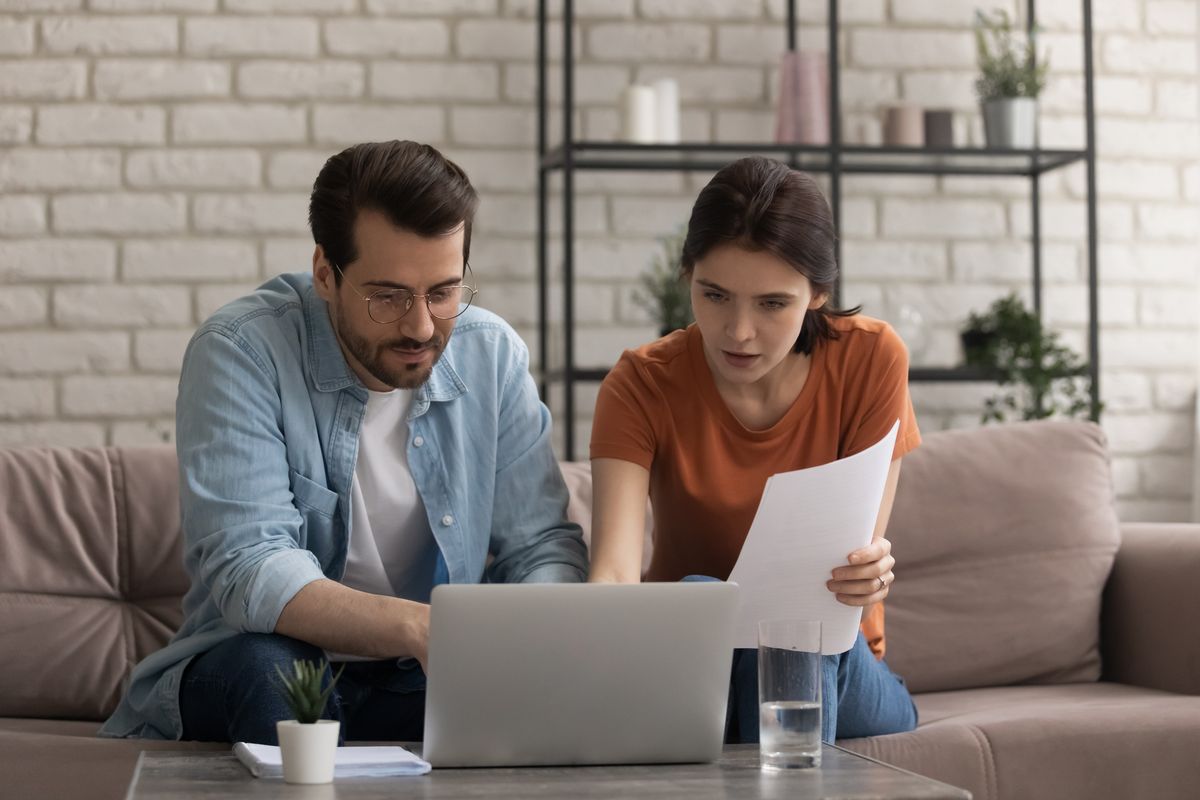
267, 427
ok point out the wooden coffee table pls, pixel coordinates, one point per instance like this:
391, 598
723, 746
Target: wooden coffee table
166, 775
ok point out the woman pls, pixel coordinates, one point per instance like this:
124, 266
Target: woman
769, 379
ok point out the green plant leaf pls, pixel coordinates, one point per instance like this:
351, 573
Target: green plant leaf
302, 689
663, 293
1008, 67
1039, 376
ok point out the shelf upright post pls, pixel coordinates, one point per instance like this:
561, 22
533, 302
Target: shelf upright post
792, 158
1035, 188
543, 256
568, 227
791, 26
1089, 115
835, 145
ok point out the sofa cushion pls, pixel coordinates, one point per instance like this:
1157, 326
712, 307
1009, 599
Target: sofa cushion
92, 574
1093, 740
1004, 537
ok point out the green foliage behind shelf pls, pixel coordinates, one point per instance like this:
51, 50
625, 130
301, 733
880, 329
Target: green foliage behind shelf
1038, 375
663, 292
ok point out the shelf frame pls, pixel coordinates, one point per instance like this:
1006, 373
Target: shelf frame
834, 159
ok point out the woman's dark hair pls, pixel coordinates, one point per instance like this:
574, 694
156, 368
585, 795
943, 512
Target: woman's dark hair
760, 204
413, 185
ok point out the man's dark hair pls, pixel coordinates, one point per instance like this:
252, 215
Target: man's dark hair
759, 204
417, 188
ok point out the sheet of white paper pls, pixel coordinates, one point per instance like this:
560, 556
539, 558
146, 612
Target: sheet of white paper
265, 761
807, 522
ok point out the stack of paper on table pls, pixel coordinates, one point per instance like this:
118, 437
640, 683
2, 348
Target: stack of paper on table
264, 761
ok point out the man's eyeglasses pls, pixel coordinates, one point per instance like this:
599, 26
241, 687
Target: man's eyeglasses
389, 305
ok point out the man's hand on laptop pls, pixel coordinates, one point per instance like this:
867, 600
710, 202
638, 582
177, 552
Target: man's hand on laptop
868, 577
339, 619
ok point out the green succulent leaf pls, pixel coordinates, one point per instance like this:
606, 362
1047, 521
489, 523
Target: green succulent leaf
302, 689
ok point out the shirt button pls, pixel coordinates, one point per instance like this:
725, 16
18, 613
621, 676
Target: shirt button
447, 520
418, 441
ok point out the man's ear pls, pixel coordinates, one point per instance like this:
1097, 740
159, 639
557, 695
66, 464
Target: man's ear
323, 278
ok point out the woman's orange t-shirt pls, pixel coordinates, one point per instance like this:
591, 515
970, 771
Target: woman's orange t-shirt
659, 407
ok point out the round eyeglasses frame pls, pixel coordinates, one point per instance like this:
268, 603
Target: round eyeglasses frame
371, 299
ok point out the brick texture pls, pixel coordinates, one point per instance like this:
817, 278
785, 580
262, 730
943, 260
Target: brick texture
156, 156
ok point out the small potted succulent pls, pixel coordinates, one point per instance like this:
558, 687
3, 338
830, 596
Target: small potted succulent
1010, 79
307, 744
663, 293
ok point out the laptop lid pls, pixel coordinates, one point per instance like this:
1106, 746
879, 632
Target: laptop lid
557, 674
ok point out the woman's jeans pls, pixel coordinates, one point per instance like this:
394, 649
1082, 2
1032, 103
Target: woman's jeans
232, 693
860, 696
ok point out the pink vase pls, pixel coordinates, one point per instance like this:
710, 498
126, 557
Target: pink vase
802, 115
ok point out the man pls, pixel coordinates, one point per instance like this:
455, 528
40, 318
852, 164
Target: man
347, 440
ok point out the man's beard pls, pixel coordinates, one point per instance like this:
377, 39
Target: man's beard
408, 376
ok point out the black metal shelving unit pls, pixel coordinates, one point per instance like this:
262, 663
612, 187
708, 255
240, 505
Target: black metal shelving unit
833, 160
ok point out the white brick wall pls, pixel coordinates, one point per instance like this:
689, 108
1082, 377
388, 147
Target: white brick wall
156, 155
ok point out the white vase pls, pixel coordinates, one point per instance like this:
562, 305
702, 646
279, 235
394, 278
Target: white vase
1010, 123
308, 749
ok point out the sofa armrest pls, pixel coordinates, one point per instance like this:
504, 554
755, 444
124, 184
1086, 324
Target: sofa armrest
1148, 634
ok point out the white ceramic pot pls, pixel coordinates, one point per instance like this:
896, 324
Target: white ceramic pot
308, 750
1010, 123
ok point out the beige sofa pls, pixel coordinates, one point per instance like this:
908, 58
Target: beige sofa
1038, 674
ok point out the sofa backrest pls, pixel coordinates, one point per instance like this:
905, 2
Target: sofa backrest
1004, 537
91, 575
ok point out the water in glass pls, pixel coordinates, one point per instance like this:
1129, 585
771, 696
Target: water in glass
790, 734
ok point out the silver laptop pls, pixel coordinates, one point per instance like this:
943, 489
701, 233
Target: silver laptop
556, 674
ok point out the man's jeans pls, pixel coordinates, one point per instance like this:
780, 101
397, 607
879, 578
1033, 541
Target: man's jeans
231, 693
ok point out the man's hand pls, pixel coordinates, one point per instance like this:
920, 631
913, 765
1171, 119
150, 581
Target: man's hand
869, 576
417, 633
344, 620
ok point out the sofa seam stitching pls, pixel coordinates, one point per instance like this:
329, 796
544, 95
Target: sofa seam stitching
121, 503
989, 766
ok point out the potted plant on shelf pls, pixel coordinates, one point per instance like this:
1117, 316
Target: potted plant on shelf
307, 744
663, 292
1010, 79
1038, 375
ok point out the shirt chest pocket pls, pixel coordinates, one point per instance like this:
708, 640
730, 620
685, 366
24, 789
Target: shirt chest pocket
312, 496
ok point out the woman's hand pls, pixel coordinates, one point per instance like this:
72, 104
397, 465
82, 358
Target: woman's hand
869, 576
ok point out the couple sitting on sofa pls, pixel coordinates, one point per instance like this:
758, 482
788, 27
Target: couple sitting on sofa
341, 453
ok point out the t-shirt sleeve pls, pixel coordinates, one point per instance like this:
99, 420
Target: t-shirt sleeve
623, 425
885, 399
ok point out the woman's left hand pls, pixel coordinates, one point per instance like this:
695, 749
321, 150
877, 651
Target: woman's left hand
869, 576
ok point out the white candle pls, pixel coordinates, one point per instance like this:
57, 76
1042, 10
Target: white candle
666, 106
638, 108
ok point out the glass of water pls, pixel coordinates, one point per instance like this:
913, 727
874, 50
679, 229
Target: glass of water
789, 694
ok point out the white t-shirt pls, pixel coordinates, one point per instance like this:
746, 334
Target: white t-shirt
392, 550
